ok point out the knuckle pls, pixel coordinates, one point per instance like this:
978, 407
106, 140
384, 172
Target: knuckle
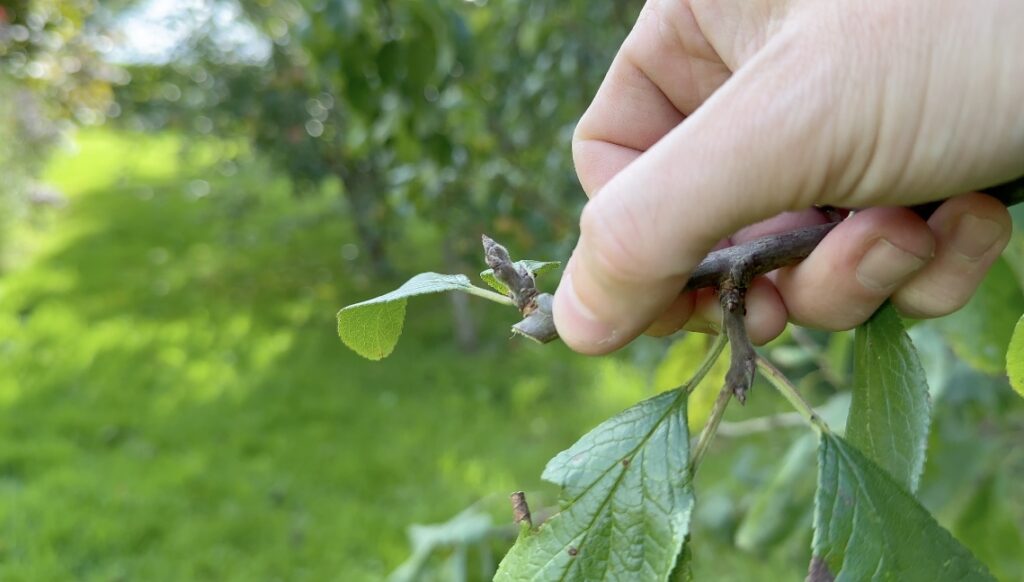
933, 301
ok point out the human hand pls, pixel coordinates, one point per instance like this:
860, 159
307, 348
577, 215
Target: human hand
723, 121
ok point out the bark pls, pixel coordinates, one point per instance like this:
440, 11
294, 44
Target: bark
466, 336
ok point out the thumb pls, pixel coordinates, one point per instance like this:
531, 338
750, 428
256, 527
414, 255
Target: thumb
755, 148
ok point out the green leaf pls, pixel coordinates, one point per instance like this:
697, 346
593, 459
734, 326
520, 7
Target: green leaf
534, 267
683, 570
626, 501
1015, 358
889, 413
681, 361
372, 328
868, 527
980, 332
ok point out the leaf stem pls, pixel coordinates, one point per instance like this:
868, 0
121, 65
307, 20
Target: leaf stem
710, 428
719, 409
705, 366
489, 295
790, 393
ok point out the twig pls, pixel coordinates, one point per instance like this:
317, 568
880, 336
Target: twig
741, 369
705, 366
761, 255
711, 428
752, 426
790, 393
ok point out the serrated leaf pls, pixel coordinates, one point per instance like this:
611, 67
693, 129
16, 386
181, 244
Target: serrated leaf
980, 332
625, 504
868, 527
889, 412
681, 361
534, 267
1015, 358
372, 328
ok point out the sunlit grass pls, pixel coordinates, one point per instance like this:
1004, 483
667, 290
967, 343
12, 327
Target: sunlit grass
175, 403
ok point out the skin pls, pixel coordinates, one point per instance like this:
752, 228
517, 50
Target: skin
722, 121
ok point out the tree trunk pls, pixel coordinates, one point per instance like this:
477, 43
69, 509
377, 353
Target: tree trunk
465, 324
371, 228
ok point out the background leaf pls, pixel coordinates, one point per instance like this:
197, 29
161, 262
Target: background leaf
889, 412
681, 361
1015, 358
535, 267
781, 502
867, 527
626, 501
980, 332
372, 328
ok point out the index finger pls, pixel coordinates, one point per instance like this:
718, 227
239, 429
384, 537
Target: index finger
665, 69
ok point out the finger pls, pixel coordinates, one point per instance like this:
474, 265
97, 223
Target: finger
971, 231
742, 157
855, 268
765, 318
664, 70
673, 318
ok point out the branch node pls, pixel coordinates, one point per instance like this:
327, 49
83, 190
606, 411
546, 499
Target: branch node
732, 295
538, 323
521, 286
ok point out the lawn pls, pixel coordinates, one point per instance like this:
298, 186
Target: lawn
175, 403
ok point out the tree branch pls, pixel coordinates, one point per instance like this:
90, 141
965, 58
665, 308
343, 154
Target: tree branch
736, 264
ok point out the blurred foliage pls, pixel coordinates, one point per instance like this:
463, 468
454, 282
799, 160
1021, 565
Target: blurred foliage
446, 110
52, 76
174, 402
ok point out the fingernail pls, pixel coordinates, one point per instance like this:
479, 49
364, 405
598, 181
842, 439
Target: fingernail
974, 236
885, 265
577, 324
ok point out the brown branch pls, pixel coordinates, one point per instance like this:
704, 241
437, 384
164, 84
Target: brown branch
743, 357
760, 255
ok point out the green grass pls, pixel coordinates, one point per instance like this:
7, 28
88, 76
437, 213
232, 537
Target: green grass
175, 403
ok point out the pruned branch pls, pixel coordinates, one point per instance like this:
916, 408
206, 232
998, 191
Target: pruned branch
520, 509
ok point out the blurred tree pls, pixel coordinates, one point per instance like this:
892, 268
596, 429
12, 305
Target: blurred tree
456, 112
453, 111
52, 76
